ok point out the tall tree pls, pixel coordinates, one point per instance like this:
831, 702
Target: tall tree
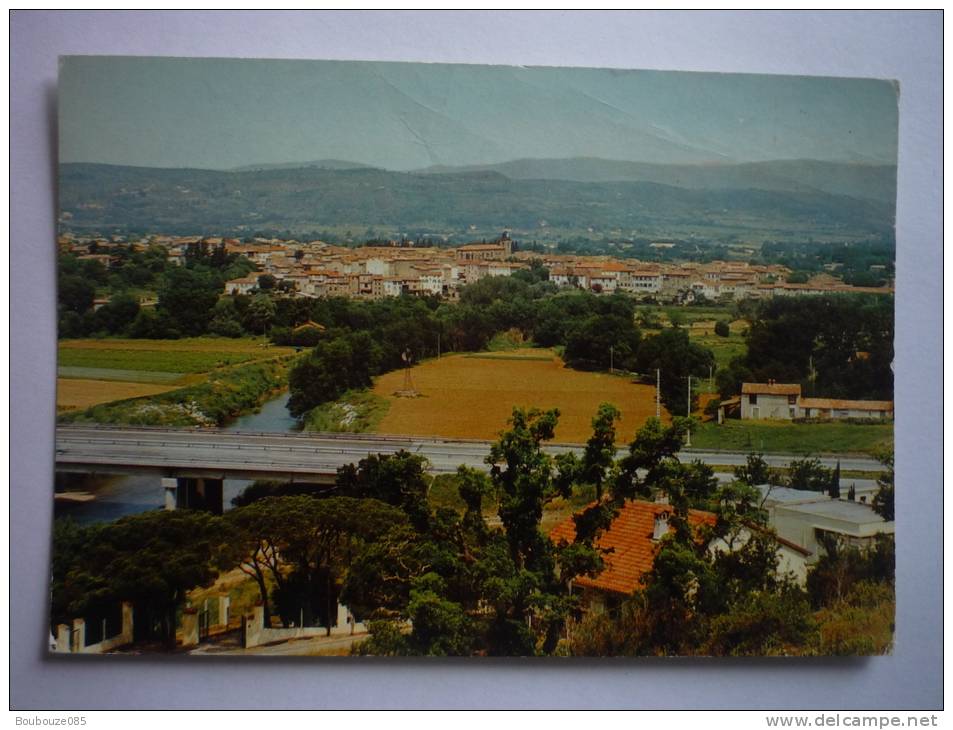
187, 298
600, 451
834, 491
260, 313
672, 352
809, 474
882, 502
153, 559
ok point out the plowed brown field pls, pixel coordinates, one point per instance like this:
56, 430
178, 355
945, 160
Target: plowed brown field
72, 393
473, 396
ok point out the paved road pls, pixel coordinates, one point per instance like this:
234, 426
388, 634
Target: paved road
209, 452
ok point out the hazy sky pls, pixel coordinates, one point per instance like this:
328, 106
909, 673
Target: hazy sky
216, 113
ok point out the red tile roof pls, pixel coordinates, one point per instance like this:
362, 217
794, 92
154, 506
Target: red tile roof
855, 405
770, 389
630, 538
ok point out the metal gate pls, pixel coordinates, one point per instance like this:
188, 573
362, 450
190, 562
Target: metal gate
204, 615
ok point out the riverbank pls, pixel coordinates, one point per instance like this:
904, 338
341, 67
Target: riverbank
226, 395
357, 411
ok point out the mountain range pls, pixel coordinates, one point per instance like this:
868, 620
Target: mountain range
573, 194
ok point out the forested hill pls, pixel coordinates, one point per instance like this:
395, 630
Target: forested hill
190, 201
857, 180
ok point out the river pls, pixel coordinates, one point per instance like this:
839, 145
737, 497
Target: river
116, 496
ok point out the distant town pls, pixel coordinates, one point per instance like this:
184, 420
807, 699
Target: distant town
317, 269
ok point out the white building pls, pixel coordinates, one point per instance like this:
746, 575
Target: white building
783, 401
244, 285
769, 400
803, 517
836, 408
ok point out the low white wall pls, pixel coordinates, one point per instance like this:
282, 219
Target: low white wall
74, 642
257, 634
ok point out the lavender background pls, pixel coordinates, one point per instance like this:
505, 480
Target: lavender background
903, 46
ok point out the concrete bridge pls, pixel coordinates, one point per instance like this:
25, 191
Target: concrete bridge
193, 462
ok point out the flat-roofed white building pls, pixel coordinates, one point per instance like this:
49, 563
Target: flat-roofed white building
804, 517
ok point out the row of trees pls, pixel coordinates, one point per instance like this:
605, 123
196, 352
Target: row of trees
837, 346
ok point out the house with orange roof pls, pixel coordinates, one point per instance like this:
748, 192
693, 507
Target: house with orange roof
835, 408
632, 542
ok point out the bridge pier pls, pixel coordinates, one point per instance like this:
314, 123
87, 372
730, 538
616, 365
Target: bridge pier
193, 493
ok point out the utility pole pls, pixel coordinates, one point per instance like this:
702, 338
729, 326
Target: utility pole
658, 390
611, 355
438, 345
688, 436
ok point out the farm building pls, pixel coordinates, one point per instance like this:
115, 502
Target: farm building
783, 401
835, 408
769, 400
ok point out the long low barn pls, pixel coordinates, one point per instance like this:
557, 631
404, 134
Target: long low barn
835, 408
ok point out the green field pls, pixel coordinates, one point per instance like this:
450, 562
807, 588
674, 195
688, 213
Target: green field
188, 355
696, 314
168, 359
794, 438
115, 374
724, 348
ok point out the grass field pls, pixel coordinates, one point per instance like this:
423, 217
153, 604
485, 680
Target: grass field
91, 372
795, 438
724, 348
193, 355
472, 397
126, 376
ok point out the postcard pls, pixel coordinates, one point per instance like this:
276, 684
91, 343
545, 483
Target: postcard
403, 359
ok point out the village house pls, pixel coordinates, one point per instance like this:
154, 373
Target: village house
633, 540
783, 401
769, 400
243, 285
640, 281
